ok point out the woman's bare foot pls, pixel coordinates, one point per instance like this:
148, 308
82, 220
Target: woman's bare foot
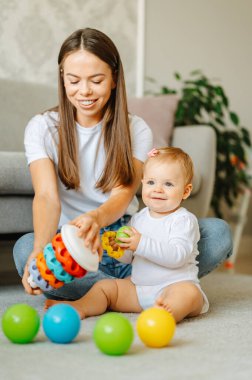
76, 304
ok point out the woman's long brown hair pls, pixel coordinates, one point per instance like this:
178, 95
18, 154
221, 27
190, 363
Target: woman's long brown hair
118, 169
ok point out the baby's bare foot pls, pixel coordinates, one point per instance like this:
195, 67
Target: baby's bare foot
48, 303
162, 302
76, 304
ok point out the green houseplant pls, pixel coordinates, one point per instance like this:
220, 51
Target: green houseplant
202, 101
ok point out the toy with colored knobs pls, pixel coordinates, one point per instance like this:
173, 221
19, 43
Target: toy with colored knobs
121, 233
62, 260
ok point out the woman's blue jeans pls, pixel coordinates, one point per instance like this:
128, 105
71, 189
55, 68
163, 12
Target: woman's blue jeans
215, 246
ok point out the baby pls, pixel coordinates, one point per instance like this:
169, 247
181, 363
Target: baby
161, 245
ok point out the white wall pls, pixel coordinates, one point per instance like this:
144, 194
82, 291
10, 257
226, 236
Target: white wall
212, 35
32, 31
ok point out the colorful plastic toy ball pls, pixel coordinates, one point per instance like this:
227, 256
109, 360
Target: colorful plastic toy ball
122, 233
155, 327
61, 323
20, 323
113, 334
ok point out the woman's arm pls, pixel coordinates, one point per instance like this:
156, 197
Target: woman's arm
46, 210
91, 222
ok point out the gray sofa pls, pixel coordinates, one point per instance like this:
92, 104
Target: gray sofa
20, 101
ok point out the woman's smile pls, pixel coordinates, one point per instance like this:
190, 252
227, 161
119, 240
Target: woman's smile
87, 103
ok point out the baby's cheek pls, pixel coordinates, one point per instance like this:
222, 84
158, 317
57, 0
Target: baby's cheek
145, 197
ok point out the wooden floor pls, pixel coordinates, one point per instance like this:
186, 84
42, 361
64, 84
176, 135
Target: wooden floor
8, 273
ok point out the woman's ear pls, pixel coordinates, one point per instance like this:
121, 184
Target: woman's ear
187, 191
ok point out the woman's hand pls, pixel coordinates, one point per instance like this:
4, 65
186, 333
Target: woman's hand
26, 274
89, 227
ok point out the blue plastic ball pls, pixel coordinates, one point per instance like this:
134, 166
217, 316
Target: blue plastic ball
61, 323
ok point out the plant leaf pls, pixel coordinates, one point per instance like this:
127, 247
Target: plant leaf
246, 136
165, 90
204, 101
177, 76
196, 72
234, 118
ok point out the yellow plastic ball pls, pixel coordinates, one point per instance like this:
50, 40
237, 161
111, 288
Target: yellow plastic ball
155, 327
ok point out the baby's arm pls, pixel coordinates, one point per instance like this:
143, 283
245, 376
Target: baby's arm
175, 252
126, 258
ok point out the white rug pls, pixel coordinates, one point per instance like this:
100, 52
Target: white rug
214, 346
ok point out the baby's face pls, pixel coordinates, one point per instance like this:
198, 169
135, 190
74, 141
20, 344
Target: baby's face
164, 187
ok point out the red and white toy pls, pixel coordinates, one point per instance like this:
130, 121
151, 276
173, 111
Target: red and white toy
62, 260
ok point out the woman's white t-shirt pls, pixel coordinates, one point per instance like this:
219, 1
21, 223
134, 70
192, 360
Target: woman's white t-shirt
41, 138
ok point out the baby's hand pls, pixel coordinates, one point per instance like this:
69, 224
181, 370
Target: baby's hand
131, 242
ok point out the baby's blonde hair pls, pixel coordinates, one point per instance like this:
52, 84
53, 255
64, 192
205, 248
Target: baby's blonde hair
173, 154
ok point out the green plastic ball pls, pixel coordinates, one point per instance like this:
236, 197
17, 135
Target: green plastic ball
122, 233
113, 334
20, 323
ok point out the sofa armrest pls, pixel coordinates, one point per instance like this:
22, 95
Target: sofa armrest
14, 174
200, 143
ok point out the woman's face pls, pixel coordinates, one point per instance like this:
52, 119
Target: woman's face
88, 83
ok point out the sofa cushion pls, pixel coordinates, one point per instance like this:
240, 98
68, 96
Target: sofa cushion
158, 112
20, 101
196, 182
14, 174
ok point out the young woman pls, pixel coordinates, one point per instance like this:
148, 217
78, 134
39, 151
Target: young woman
86, 158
